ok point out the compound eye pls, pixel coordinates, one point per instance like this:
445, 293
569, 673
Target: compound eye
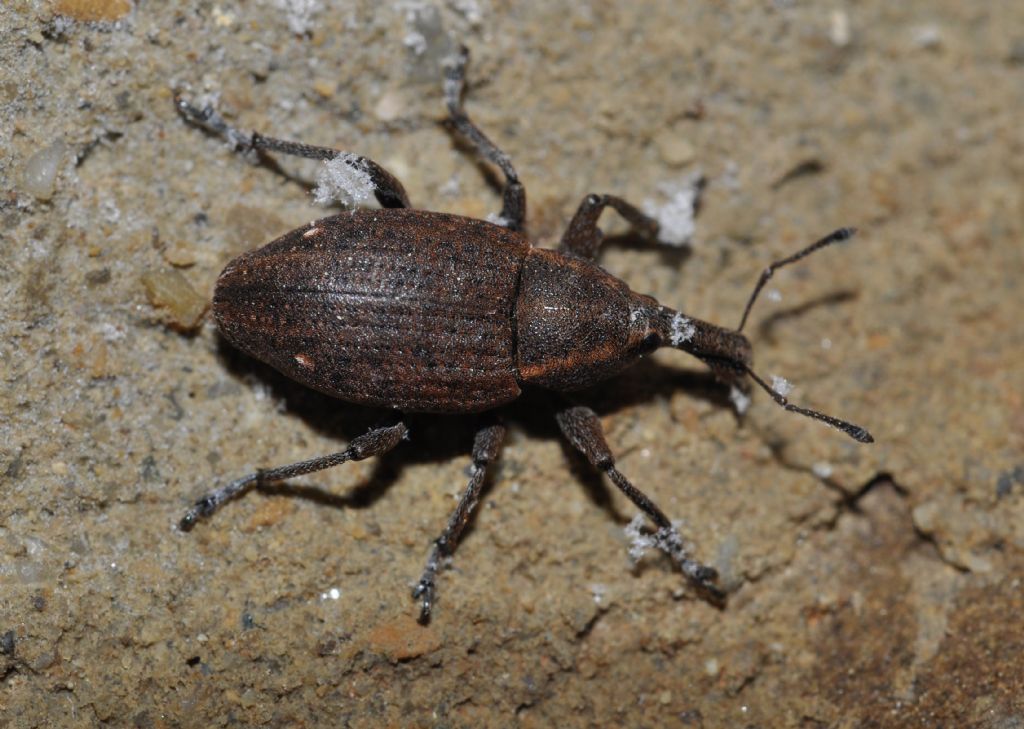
649, 343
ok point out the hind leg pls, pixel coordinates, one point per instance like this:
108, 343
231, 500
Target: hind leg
485, 450
374, 443
386, 187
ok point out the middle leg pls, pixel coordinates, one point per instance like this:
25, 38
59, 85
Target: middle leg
582, 428
374, 443
485, 450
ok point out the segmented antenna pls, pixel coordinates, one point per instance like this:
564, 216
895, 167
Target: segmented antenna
854, 431
834, 237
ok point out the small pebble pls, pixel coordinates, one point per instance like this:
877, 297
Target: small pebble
325, 89
391, 106
1016, 54
169, 290
839, 28
91, 11
928, 37
180, 254
39, 175
674, 149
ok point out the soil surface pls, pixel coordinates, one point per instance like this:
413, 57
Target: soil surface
869, 585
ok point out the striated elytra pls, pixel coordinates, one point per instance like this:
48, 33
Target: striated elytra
418, 311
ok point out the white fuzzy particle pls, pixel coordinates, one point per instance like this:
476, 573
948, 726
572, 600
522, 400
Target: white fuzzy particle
639, 542
343, 179
676, 215
822, 469
109, 210
451, 86
773, 295
451, 187
111, 332
416, 42
781, 385
299, 14
927, 36
470, 10
740, 400
730, 178
682, 330
261, 391
668, 540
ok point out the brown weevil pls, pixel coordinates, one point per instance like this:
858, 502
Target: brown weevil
417, 311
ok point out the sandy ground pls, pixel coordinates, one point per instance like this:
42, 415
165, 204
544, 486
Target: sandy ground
871, 585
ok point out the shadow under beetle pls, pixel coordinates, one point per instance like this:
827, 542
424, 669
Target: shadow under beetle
418, 311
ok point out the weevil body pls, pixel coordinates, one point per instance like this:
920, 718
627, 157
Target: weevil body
429, 312
417, 311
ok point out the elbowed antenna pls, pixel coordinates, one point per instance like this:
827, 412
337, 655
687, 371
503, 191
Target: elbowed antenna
837, 236
728, 353
854, 431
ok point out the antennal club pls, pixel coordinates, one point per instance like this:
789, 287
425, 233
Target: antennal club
854, 431
834, 237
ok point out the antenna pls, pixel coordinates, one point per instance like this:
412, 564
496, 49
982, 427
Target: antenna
854, 431
837, 236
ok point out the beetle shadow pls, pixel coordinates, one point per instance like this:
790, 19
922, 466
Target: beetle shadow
766, 327
437, 438
268, 162
491, 175
671, 256
440, 438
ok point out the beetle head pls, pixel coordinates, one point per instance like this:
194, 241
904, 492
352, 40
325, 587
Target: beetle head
729, 355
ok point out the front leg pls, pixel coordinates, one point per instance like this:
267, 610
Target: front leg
583, 237
485, 450
582, 428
